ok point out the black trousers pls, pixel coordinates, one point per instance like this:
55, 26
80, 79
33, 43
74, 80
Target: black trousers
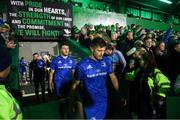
160, 107
41, 82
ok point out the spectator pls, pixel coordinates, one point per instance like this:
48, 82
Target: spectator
160, 54
9, 106
126, 44
172, 66
117, 59
150, 91
83, 38
115, 104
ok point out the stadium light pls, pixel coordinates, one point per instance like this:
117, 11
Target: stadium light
166, 1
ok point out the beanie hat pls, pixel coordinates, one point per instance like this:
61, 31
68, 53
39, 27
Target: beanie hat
5, 59
5, 25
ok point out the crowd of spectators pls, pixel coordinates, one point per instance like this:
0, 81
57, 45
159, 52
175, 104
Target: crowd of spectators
164, 45
127, 46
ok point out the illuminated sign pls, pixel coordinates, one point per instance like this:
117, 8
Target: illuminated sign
35, 20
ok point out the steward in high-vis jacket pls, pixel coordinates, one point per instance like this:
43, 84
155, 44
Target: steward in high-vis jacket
149, 90
9, 108
158, 83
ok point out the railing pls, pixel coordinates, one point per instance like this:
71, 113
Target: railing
78, 51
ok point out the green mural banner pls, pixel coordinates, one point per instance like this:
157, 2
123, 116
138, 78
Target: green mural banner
37, 20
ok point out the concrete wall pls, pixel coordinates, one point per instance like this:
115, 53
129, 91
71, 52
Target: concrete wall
26, 49
151, 24
83, 16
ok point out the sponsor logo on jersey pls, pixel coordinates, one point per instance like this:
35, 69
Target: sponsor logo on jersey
89, 67
97, 74
98, 70
103, 64
70, 61
65, 66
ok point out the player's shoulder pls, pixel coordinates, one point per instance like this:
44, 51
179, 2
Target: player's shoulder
71, 58
57, 58
106, 59
85, 60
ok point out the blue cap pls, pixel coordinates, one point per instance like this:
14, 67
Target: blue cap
1, 22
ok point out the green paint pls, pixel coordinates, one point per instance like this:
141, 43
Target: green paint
28, 32
32, 33
25, 14
33, 4
82, 16
50, 33
19, 32
28, 21
151, 24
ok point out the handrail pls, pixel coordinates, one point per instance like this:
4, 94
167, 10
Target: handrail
76, 47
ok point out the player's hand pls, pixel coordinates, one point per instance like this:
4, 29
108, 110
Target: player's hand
124, 101
10, 44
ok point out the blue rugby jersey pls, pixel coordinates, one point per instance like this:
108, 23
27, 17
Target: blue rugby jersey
63, 67
38, 68
40, 64
22, 64
93, 75
62, 72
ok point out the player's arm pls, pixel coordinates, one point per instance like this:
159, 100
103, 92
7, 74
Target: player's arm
72, 96
114, 81
51, 73
51, 79
76, 73
73, 72
75, 84
77, 76
76, 81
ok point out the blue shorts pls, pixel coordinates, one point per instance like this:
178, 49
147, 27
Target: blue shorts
62, 88
97, 109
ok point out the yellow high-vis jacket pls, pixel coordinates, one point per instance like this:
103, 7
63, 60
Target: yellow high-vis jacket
9, 108
158, 81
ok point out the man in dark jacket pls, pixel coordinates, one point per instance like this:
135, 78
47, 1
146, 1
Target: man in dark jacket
37, 66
